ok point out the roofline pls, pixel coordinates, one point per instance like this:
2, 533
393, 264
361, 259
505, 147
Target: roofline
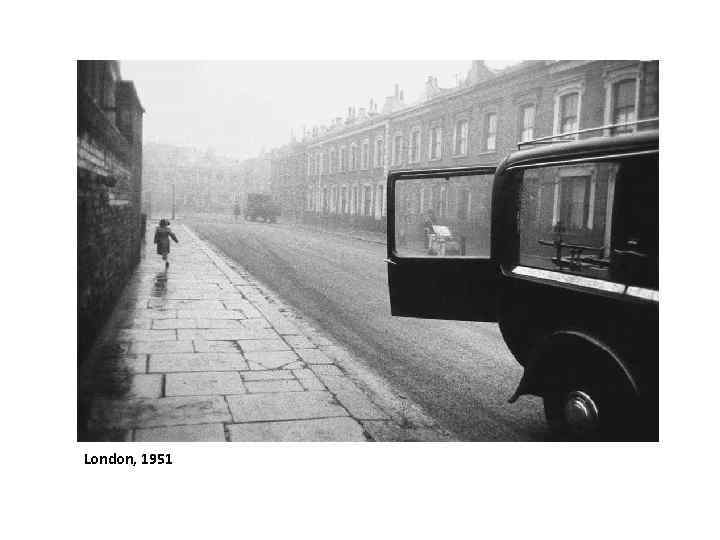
501, 77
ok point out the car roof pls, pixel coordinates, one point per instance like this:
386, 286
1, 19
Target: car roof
643, 140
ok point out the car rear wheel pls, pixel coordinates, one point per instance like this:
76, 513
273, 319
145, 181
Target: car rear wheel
593, 408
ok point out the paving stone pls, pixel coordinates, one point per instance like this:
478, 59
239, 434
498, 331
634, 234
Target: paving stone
166, 324
330, 370
324, 430
339, 354
159, 313
165, 363
150, 347
314, 356
167, 411
203, 346
352, 398
299, 342
249, 290
195, 433
218, 324
308, 379
205, 383
228, 334
255, 323
283, 406
146, 335
266, 375
270, 359
295, 365
243, 305
255, 345
319, 340
278, 385
199, 305
285, 328
210, 314
145, 386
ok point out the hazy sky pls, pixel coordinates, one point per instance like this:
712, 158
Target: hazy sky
239, 108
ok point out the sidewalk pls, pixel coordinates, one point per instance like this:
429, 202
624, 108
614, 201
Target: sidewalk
206, 353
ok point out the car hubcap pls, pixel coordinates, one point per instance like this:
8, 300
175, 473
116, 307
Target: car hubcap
581, 412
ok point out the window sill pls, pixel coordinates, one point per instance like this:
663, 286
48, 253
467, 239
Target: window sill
487, 152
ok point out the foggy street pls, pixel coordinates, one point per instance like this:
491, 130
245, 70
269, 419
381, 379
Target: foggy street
461, 373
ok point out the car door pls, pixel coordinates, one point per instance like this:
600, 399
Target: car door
440, 264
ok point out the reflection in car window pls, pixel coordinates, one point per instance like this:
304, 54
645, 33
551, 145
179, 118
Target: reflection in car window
443, 217
565, 218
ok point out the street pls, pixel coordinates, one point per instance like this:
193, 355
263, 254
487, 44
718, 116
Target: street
461, 373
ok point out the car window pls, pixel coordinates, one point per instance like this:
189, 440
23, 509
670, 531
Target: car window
443, 217
596, 219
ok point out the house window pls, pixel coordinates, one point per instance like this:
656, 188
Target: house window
490, 132
574, 202
461, 137
378, 157
527, 123
623, 104
569, 110
343, 159
320, 163
414, 155
331, 161
367, 200
397, 150
435, 142
463, 203
365, 154
343, 200
353, 157
379, 207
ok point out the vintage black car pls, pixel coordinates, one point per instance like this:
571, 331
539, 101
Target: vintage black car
560, 247
261, 206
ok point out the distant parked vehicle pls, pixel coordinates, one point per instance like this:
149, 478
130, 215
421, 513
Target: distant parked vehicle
261, 206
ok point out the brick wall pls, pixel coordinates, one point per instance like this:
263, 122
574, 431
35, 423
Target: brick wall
109, 238
110, 227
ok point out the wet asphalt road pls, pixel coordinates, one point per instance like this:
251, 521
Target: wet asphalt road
460, 372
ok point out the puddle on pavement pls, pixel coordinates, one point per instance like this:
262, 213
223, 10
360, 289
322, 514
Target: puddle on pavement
160, 285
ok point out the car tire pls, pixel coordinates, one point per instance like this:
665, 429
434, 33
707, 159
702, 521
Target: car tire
592, 407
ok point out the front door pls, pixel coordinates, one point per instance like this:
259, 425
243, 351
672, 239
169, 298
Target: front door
439, 257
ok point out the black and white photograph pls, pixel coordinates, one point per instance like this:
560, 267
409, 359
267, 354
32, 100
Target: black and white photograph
470, 256
359, 270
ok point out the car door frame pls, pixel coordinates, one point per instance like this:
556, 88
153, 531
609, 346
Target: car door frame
454, 288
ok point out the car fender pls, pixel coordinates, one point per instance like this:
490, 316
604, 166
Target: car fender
538, 365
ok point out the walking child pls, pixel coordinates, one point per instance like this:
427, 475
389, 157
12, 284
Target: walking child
163, 234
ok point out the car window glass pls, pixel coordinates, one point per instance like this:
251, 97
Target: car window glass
597, 220
443, 217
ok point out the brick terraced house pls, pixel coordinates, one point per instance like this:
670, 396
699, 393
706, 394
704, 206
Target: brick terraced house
478, 122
